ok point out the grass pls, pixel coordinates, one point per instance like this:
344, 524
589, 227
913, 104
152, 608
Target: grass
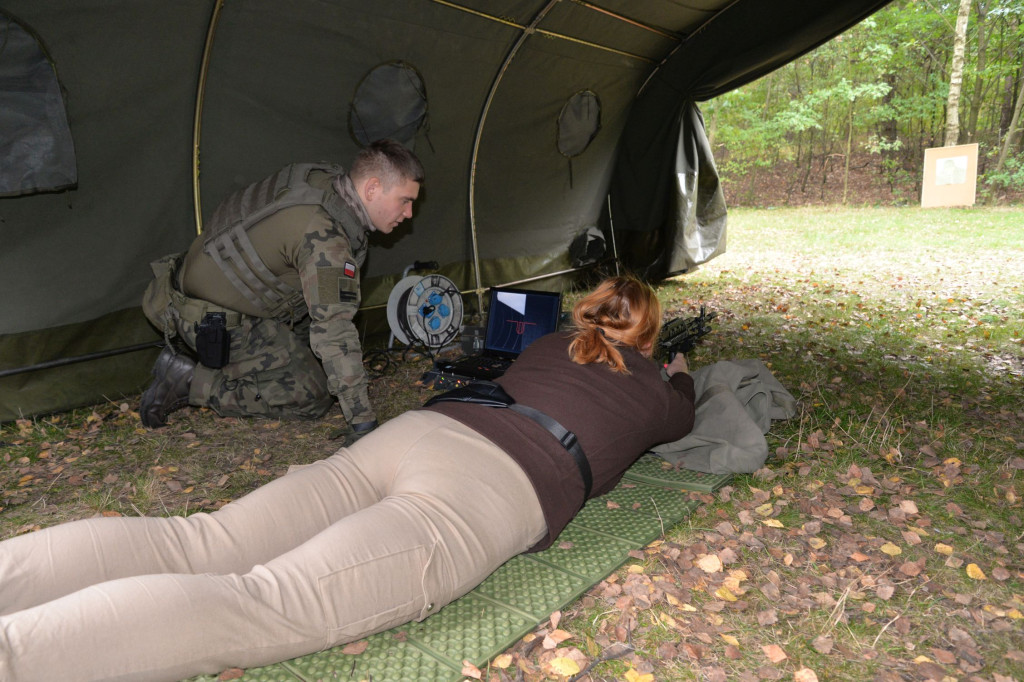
900, 332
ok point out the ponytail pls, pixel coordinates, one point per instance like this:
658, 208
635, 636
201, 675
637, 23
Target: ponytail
620, 312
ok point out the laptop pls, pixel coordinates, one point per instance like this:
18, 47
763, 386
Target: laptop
515, 319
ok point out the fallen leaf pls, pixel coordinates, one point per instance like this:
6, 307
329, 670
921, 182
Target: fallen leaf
911, 538
943, 656
774, 653
729, 639
891, 549
562, 665
822, 644
470, 670
910, 568
976, 573
805, 675
355, 648
634, 676
553, 639
502, 661
230, 674
943, 549
724, 594
774, 523
709, 563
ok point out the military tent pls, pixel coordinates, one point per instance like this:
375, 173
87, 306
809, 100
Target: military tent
539, 122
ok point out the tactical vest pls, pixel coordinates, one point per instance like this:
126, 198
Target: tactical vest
227, 241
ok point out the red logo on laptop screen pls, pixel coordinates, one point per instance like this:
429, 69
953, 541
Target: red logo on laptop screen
521, 325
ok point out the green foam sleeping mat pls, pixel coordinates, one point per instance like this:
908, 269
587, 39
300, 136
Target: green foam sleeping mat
652, 497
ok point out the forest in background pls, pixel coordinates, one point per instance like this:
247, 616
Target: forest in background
849, 122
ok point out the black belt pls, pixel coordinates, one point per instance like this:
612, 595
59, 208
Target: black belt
491, 394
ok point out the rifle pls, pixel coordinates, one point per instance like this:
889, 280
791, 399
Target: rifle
682, 334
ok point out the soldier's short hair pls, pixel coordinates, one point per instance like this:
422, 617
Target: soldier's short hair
388, 160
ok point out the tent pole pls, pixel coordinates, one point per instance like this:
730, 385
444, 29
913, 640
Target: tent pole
198, 118
632, 22
79, 358
526, 33
611, 229
562, 36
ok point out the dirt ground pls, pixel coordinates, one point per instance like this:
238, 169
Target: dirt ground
827, 184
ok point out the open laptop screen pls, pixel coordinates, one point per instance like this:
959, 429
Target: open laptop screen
518, 317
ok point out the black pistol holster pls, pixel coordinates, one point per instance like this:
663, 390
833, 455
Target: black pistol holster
213, 342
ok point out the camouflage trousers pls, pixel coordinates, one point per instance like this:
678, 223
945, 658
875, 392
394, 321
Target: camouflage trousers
271, 372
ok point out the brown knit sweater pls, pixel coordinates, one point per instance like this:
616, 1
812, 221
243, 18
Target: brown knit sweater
615, 416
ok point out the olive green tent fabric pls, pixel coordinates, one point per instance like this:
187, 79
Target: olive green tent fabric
744, 41
497, 97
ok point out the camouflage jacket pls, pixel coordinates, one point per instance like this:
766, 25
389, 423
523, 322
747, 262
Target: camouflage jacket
310, 251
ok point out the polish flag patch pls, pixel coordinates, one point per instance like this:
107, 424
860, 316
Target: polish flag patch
350, 269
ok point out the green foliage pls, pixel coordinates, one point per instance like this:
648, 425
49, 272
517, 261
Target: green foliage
887, 77
1011, 176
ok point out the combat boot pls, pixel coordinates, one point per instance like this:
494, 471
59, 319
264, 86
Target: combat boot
172, 379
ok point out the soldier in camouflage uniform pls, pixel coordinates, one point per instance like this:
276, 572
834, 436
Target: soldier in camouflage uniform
266, 295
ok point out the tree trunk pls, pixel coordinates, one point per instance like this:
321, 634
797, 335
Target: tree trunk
849, 151
1011, 132
956, 75
980, 85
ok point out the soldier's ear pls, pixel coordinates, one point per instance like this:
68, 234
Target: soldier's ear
373, 188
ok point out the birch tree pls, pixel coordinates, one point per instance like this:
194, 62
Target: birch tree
956, 75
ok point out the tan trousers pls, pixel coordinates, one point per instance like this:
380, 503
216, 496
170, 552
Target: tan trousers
411, 517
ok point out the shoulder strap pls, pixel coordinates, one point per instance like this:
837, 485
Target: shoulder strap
568, 440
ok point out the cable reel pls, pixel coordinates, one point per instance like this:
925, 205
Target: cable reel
425, 309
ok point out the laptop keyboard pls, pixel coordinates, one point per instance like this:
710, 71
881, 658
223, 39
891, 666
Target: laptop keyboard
478, 366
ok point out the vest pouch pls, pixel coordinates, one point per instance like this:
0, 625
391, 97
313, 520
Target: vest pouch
156, 302
213, 342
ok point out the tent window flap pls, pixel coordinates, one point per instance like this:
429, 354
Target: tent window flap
37, 153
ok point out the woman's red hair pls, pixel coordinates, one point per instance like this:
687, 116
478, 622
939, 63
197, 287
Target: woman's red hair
621, 311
